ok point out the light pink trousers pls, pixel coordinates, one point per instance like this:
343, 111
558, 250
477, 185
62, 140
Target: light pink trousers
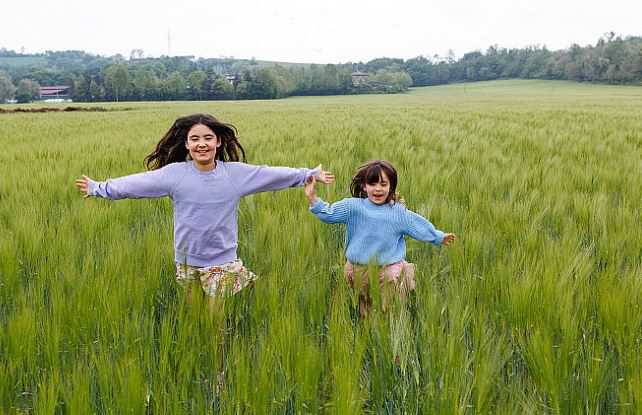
401, 274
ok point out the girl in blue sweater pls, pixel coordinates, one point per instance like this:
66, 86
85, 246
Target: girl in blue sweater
376, 224
198, 165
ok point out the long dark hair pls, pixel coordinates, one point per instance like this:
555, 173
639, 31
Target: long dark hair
370, 173
171, 148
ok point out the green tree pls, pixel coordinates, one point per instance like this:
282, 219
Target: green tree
27, 91
175, 86
222, 89
420, 69
96, 91
284, 81
117, 81
330, 80
80, 90
7, 90
144, 83
388, 81
243, 90
196, 84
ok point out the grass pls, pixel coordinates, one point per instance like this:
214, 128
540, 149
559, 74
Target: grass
536, 308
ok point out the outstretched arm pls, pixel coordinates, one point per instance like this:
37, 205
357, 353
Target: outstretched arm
419, 228
255, 179
153, 183
338, 212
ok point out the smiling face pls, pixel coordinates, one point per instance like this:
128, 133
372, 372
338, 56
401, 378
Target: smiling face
202, 144
376, 180
378, 191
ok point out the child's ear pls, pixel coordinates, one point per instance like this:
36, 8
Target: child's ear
218, 141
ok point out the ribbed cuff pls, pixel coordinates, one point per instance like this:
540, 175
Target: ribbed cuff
317, 206
440, 237
92, 185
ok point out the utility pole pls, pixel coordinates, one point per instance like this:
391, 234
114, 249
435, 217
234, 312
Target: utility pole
169, 43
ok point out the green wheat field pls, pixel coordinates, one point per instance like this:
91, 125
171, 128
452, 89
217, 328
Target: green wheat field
536, 309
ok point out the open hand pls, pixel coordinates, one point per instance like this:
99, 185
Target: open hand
448, 239
324, 176
83, 185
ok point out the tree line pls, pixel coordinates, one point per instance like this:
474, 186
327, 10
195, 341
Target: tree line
613, 59
95, 78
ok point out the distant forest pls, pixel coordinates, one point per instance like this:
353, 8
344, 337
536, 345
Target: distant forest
613, 59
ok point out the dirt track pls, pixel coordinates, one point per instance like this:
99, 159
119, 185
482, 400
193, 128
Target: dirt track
65, 109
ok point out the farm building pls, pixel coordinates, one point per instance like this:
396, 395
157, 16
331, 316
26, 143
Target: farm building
233, 79
359, 78
54, 92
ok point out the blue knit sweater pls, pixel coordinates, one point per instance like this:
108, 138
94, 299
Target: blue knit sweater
376, 232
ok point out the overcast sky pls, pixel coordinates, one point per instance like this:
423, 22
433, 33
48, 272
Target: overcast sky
321, 31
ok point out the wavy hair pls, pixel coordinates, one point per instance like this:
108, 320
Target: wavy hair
171, 148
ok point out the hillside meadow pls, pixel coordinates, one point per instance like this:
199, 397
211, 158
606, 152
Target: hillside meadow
537, 308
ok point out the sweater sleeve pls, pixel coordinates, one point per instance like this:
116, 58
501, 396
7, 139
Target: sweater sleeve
419, 228
338, 212
155, 183
251, 179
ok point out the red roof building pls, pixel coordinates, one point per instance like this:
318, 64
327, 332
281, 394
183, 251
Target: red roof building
54, 92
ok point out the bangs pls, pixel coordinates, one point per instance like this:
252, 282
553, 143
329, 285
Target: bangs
373, 174
222, 130
375, 171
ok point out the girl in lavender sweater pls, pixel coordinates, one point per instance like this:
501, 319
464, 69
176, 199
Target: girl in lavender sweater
197, 165
376, 225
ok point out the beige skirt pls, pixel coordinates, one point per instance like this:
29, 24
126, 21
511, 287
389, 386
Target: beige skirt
225, 279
